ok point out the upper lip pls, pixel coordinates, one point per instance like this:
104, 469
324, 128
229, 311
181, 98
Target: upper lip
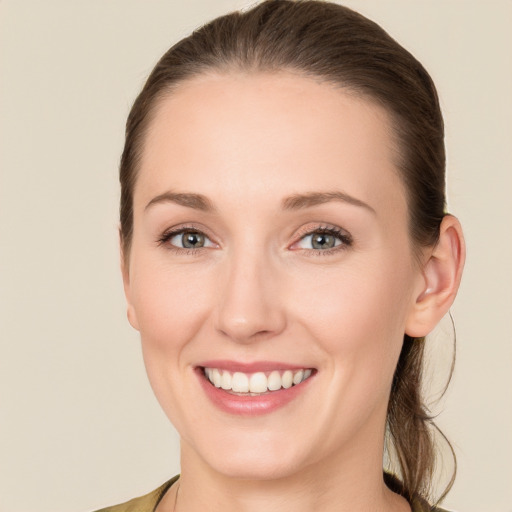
252, 367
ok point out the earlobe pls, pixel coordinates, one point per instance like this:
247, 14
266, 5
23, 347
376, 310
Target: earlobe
441, 279
125, 272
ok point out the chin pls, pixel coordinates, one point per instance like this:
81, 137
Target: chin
252, 468
253, 459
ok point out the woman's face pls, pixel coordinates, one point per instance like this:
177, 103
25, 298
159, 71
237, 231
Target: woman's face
271, 244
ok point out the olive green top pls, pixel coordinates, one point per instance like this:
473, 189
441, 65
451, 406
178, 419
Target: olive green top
149, 502
146, 503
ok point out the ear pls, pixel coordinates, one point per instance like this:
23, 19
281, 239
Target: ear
441, 275
125, 272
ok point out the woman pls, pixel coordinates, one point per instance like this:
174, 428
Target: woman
285, 251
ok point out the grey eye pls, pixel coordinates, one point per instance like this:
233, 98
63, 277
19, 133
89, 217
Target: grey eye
322, 241
319, 241
189, 240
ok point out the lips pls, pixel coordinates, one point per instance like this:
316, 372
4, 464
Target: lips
252, 389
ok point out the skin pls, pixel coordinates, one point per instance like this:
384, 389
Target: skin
259, 291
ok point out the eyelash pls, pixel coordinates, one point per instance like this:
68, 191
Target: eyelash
169, 234
340, 234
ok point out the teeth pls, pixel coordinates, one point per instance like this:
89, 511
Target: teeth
258, 382
298, 376
216, 378
225, 382
240, 383
274, 381
287, 379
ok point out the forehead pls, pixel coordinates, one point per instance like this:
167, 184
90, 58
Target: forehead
256, 132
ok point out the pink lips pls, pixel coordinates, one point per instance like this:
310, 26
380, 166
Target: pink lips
247, 405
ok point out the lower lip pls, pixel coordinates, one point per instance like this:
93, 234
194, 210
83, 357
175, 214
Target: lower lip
246, 405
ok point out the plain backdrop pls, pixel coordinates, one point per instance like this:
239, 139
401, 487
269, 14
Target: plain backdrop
79, 426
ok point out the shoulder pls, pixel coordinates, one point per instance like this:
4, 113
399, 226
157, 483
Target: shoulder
146, 503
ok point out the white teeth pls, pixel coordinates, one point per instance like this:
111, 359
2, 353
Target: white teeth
240, 383
274, 381
298, 376
225, 382
258, 382
287, 379
216, 378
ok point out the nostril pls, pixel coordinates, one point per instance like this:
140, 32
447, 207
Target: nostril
246, 333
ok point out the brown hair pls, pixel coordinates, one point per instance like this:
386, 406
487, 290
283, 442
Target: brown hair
339, 46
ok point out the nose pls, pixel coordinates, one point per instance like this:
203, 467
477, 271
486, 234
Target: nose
250, 305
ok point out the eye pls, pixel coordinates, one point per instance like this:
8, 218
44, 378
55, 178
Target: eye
186, 239
324, 239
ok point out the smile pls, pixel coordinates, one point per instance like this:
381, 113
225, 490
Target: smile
256, 383
252, 389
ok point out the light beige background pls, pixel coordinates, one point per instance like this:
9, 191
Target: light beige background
79, 427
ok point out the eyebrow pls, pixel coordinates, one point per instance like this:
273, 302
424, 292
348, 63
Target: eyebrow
294, 202
300, 201
195, 201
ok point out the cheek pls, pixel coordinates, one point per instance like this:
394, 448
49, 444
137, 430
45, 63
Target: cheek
171, 308
169, 303
357, 313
